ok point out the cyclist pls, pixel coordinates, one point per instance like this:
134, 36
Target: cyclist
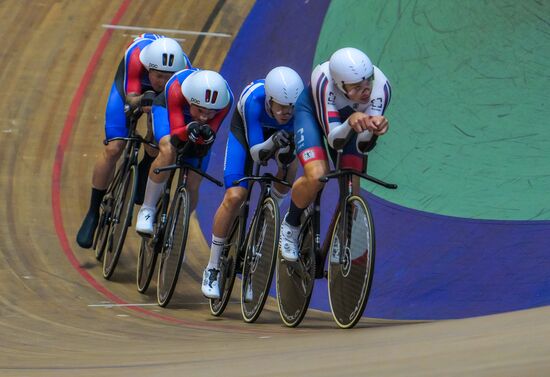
262, 124
347, 98
191, 109
147, 65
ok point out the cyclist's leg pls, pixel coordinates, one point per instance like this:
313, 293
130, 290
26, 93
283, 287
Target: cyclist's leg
281, 191
312, 155
156, 182
311, 152
149, 155
115, 126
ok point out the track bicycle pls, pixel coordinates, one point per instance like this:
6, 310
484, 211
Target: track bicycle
171, 227
351, 249
252, 253
117, 206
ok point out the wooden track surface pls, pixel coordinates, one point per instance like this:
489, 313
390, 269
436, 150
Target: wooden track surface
50, 324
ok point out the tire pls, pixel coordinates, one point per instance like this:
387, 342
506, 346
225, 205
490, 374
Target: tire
295, 279
350, 276
228, 266
173, 247
259, 259
103, 225
148, 253
121, 217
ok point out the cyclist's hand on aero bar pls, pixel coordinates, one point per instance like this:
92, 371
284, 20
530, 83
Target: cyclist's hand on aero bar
146, 101
281, 139
193, 131
362, 122
381, 123
207, 133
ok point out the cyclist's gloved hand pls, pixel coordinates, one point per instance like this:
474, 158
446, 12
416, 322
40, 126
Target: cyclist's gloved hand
208, 134
176, 141
147, 98
194, 131
281, 139
285, 156
132, 111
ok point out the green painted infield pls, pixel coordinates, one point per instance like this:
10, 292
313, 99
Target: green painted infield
470, 112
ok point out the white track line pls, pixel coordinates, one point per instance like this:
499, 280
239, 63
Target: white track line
171, 31
137, 35
118, 305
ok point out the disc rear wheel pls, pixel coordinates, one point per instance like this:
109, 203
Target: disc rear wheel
229, 262
295, 279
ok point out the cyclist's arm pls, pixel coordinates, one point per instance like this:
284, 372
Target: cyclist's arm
175, 101
259, 148
380, 100
132, 80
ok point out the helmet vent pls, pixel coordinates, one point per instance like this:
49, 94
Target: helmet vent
167, 59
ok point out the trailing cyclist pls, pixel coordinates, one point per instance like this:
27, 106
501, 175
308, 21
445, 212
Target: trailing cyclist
263, 124
147, 65
190, 110
347, 98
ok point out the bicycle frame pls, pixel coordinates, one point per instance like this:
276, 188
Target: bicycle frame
265, 181
345, 190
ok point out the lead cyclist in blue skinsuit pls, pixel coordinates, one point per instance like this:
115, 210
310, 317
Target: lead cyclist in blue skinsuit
348, 96
262, 123
147, 65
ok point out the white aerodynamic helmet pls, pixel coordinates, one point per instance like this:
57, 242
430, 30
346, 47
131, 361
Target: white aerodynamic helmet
349, 65
283, 85
164, 54
207, 89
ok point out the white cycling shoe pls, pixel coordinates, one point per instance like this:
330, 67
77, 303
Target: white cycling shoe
145, 221
249, 293
210, 284
288, 241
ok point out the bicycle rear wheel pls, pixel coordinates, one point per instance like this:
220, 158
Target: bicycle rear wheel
121, 216
351, 263
295, 279
259, 260
148, 253
229, 261
173, 247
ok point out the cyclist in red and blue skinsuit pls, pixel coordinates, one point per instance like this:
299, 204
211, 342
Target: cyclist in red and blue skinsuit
148, 63
190, 110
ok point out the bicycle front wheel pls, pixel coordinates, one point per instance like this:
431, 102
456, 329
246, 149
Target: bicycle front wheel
259, 260
351, 263
295, 279
173, 248
229, 261
121, 216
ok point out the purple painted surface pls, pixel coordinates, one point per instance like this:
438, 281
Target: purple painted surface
427, 266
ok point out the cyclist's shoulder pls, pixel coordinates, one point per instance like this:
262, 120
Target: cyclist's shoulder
253, 95
321, 72
379, 76
180, 76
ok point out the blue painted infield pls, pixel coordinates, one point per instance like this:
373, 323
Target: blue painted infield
427, 266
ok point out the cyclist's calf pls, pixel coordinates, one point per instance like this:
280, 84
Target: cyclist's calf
166, 156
